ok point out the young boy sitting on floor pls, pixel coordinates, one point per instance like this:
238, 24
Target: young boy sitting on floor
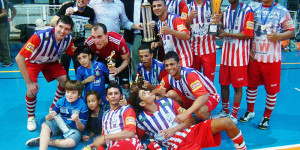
74, 112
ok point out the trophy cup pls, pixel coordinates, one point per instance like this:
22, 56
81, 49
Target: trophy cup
139, 80
62, 126
213, 28
111, 64
147, 18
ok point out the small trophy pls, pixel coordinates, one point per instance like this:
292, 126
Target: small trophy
147, 18
111, 64
139, 80
62, 126
213, 28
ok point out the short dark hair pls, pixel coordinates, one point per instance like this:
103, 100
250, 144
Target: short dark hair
135, 100
100, 25
66, 20
82, 49
145, 47
74, 85
171, 54
93, 92
113, 85
160, 0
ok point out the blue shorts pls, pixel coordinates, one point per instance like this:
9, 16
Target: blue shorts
55, 131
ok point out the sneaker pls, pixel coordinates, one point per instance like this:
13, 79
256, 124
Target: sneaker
233, 119
7, 64
31, 123
33, 142
264, 124
248, 115
220, 115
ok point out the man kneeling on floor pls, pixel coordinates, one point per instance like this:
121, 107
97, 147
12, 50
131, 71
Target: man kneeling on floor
157, 119
74, 113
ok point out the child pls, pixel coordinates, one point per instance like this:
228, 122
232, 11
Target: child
158, 119
74, 113
94, 124
91, 73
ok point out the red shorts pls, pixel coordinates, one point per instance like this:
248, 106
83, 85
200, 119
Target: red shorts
208, 62
50, 70
187, 103
235, 75
123, 144
267, 74
200, 136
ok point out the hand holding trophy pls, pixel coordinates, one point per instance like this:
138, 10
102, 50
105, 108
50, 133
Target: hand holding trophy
111, 65
213, 28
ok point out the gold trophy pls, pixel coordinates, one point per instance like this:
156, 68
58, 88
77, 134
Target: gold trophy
147, 18
111, 64
213, 28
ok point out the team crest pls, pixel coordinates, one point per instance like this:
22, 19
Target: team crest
166, 104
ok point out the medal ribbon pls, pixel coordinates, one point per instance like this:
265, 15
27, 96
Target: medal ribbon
263, 22
234, 17
55, 44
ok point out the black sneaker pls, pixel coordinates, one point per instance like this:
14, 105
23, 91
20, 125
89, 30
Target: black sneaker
33, 142
264, 124
7, 64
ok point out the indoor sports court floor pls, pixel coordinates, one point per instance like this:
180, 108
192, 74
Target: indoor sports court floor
283, 132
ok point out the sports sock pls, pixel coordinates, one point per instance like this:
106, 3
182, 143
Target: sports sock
238, 141
30, 103
225, 104
251, 96
60, 92
270, 104
235, 109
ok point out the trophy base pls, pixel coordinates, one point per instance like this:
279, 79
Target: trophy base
147, 40
111, 78
213, 29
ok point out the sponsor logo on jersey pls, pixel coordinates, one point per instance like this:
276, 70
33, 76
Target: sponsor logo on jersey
196, 85
183, 15
250, 25
29, 47
181, 27
180, 110
166, 104
130, 120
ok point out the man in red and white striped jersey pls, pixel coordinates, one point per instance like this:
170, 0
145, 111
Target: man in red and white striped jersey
102, 43
173, 32
118, 124
203, 44
41, 54
238, 27
270, 20
177, 7
158, 119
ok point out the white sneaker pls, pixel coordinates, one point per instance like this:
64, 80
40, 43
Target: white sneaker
248, 115
220, 115
233, 119
31, 123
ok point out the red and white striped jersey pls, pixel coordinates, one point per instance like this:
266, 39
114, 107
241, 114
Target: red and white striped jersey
235, 52
40, 48
172, 43
201, 42
191, 84
116, 43
177, 7
161, 120
115, 121
278, 20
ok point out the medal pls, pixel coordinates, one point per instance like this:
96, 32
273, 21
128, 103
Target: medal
231, 30
263, 27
